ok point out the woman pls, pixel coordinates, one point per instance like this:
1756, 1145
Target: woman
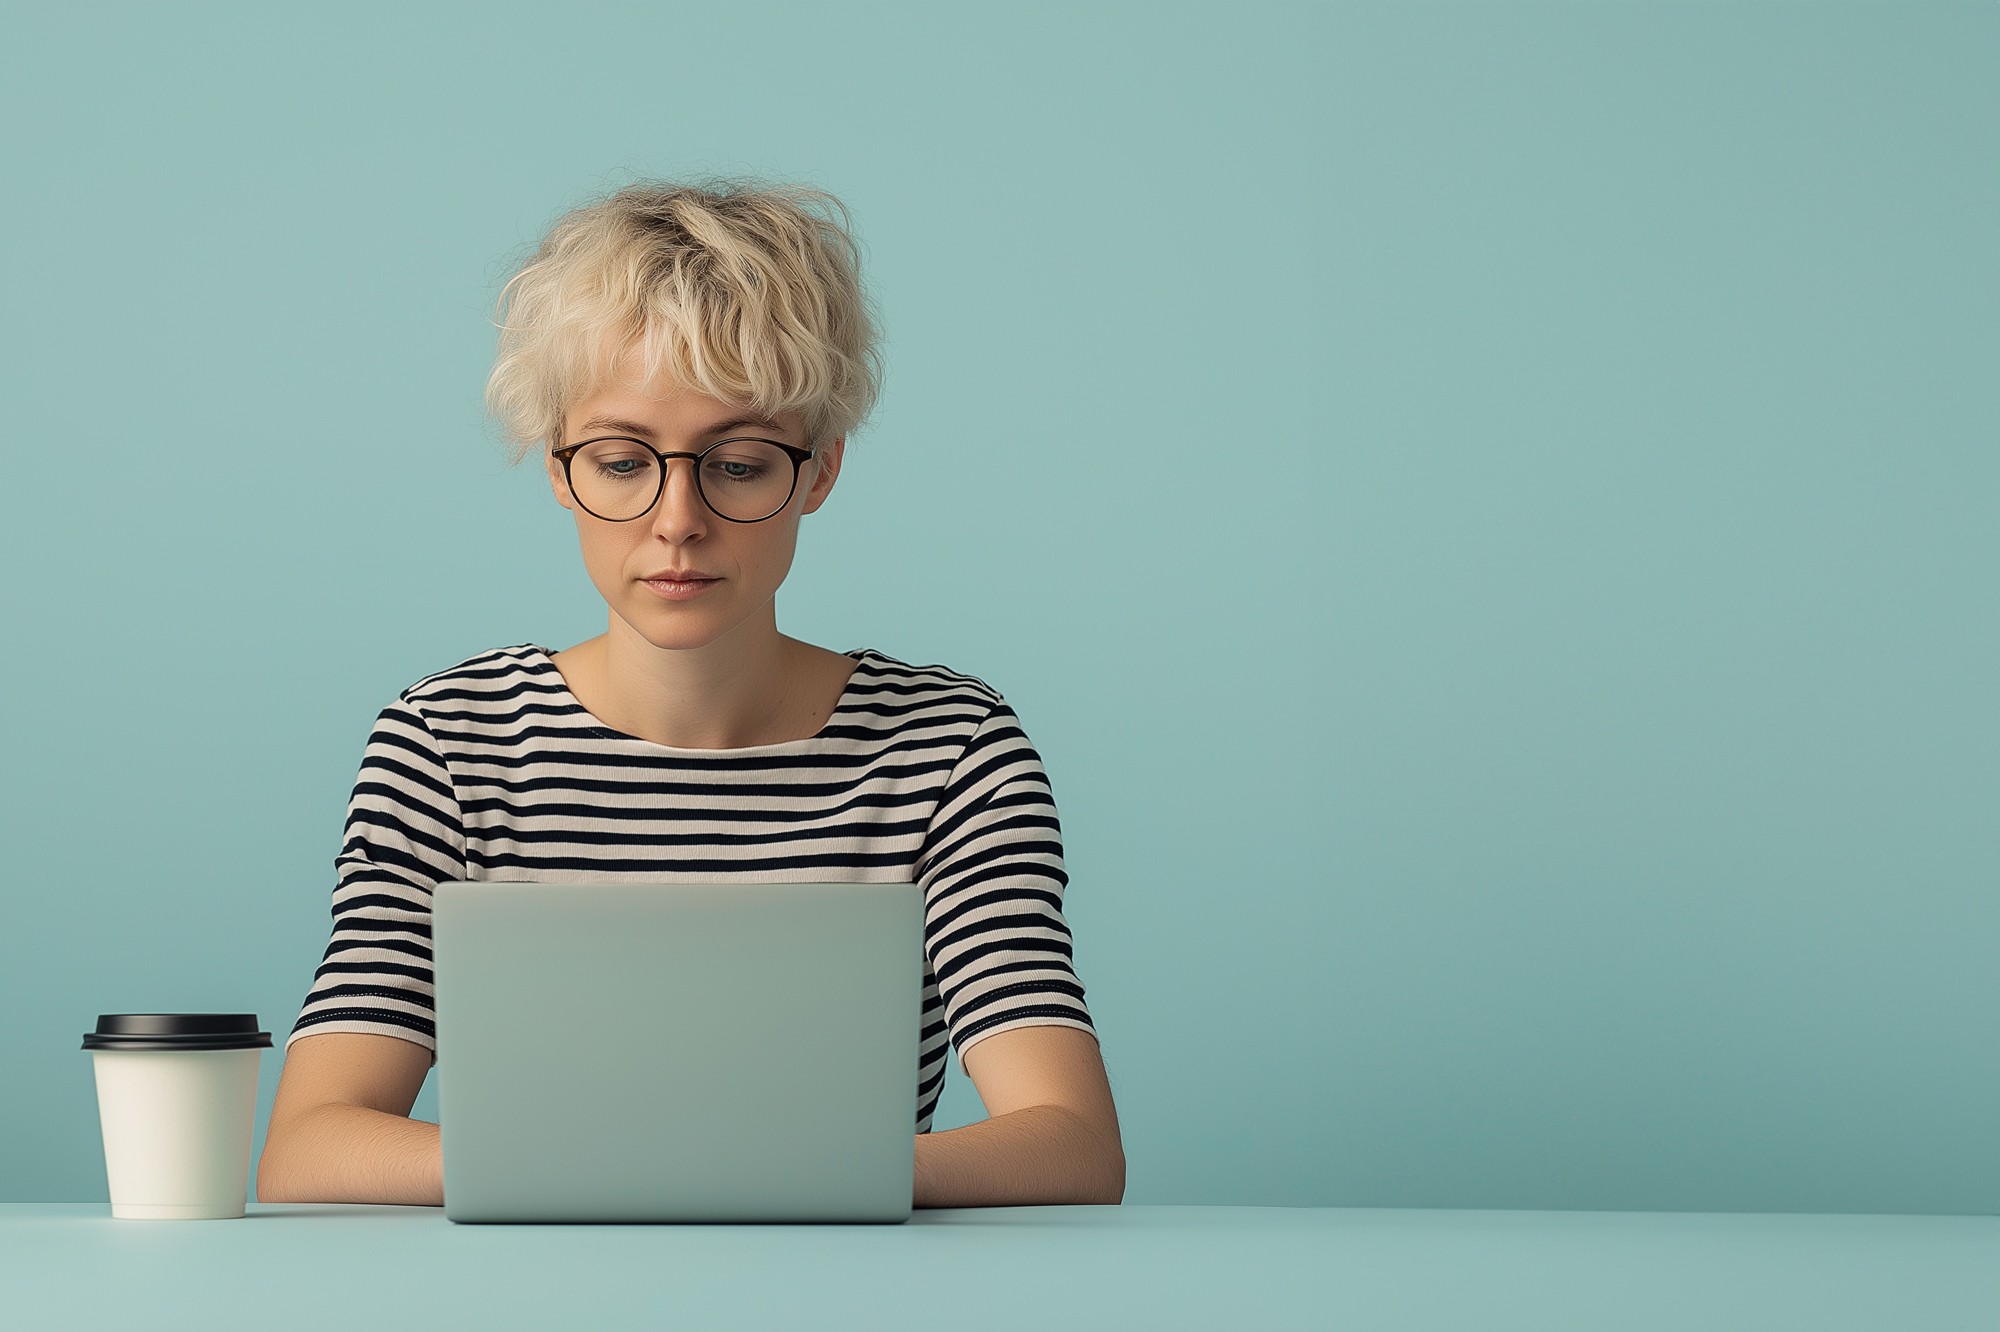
690, 360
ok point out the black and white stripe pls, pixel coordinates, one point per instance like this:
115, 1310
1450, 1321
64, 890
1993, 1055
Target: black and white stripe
492, 770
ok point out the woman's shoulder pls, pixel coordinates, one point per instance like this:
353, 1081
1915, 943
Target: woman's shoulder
499, 671
893, 674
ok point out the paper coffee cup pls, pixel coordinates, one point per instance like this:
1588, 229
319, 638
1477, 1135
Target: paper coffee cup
177, 1101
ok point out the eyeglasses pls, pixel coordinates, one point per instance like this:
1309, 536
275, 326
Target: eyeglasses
742, 479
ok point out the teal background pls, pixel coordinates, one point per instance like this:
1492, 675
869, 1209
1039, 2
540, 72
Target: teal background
1488, 512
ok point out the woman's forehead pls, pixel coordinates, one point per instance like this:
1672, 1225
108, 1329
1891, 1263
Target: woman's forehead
626, 394
683, 414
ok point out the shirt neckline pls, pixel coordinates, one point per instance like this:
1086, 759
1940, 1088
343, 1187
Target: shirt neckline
547, 664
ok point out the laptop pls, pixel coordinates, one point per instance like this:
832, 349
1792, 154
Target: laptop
677, 1052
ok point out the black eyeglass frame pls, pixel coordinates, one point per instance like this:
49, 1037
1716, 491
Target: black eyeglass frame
792, 451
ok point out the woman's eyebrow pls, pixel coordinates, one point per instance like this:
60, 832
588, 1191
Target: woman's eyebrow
645, 432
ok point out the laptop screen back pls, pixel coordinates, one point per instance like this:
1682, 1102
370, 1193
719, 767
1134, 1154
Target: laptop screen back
677, 1052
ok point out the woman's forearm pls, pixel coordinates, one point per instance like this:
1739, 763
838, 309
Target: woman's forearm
1039, 1155
346, 1153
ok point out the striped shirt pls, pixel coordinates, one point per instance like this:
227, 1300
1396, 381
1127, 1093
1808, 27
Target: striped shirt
491, 769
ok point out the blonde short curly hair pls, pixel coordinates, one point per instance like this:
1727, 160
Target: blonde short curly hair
746, 292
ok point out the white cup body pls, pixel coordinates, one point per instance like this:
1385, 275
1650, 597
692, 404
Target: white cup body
177, 1127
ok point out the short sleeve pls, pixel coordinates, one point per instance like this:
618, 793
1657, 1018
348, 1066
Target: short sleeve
403, 837
992, 877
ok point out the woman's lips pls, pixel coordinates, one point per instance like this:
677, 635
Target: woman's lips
673, 591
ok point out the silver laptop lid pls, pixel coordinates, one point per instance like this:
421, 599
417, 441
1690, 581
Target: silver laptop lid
677, 1052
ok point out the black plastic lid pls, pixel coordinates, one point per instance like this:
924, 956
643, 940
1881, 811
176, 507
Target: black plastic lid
176, 1031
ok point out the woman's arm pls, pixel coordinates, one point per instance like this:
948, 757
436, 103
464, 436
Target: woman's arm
1052, 1136
340, 1129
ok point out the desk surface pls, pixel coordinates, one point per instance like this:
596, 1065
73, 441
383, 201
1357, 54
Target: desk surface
322, 1265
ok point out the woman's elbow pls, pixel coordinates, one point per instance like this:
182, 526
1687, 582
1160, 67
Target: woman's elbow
272, 1185
279, 1177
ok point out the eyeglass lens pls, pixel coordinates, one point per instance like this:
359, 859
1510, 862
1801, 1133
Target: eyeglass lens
744, 479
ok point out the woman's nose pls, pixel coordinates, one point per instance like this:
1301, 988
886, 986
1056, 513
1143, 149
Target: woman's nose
681, 506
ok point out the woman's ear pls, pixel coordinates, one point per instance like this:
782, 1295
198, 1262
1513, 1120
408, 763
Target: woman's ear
556, 482
828, 462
